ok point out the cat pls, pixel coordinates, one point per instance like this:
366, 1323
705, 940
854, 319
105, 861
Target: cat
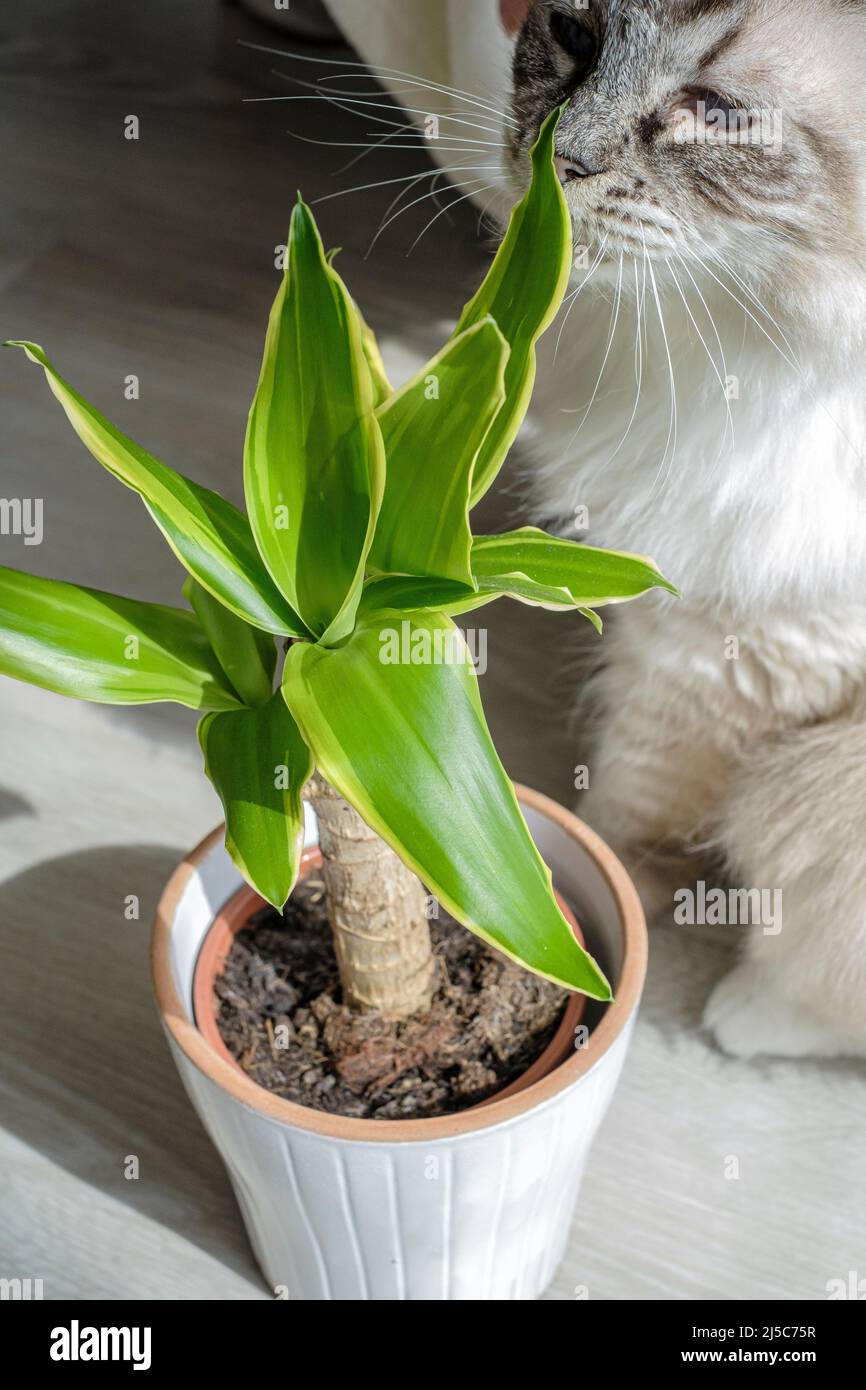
715, 171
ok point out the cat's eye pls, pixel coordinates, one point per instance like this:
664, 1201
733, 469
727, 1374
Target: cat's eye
706, 104
712, 110
575, 40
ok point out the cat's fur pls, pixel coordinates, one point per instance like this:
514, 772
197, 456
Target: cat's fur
734, 720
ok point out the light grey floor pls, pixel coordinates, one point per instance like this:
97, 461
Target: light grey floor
156, 258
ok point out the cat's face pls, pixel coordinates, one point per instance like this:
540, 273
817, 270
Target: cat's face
731, 124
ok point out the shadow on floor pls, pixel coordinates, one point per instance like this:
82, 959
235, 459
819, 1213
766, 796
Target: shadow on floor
12, 804
88, 1078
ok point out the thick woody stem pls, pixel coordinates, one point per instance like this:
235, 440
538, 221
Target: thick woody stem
378, 912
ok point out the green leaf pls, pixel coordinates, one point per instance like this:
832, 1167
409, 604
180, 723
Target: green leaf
382, 388
550, 572
207, 534
592, 617
96, 646
407, 744
314, 466
258, 764
247, 655
433, 430
523, 291
399, 593
527, 565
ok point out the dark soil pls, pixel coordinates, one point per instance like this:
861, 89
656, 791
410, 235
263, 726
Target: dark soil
279, 1011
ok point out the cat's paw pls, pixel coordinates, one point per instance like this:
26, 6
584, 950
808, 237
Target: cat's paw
749, 1018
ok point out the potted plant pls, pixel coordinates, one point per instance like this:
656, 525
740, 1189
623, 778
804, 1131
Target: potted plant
321, 647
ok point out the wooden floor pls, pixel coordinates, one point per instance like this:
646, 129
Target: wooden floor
155, 258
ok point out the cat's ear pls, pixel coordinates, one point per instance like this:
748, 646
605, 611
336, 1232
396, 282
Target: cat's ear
513, 13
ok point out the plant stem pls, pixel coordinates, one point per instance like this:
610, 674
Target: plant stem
378, 912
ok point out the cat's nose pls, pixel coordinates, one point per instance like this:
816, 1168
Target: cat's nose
571, 169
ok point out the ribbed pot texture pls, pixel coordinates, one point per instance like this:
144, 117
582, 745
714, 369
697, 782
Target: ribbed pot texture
470, 1206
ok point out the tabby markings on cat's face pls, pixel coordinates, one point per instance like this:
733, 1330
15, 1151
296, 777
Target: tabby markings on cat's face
698, 122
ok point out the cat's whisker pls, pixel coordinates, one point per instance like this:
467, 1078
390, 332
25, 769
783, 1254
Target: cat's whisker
674, 423
383, 72
473, 193
718, 338
610, 338
383, 140
640, 300
347, 101
409, 132
442, 114
487, 222
791, 361
756, 301
421, 142
424, 147
747, 311
406, 136
365, 102
441, 89
431, 193
643, 305
386, 216
571, 299
466, 100
685, 265
710, 358
405, 178
797, 369
436, 190
724, 265
794, 364
638, 357
458, 115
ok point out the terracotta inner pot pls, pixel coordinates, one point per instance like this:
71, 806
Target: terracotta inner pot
235, 916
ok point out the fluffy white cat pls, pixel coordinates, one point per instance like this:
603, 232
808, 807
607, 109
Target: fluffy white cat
702, 401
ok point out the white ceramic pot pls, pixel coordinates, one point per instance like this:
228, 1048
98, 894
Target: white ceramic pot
468, 1206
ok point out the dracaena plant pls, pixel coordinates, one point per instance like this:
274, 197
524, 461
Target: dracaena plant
357, 525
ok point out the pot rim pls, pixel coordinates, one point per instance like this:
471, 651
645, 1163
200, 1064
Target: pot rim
497, 1111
